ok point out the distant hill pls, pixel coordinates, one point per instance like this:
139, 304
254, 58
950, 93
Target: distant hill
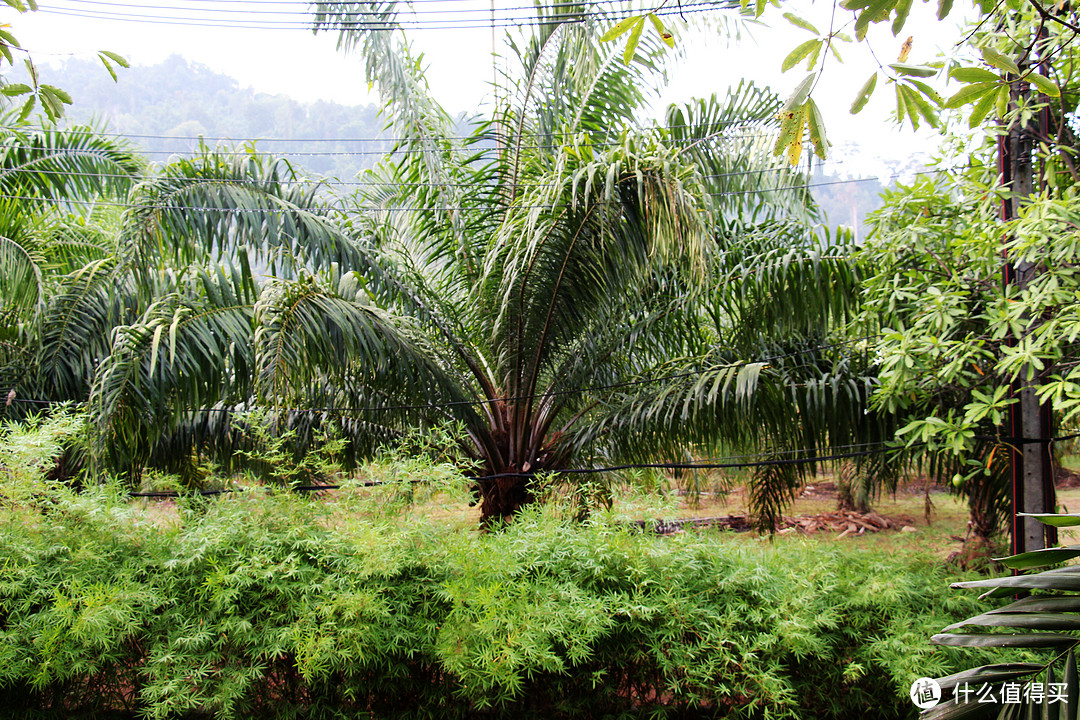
178, 98
847, 201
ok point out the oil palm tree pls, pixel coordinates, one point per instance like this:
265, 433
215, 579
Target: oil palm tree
53, 245
570, 284
556, 282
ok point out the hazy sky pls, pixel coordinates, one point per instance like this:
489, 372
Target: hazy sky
265, 49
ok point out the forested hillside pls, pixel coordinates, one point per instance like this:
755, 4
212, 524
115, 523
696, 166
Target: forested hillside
177, 98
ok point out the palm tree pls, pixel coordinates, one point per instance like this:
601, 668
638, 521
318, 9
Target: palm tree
96, 247
559, 283
55, 251
570, 285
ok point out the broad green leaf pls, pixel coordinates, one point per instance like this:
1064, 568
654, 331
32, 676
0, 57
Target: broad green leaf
1003, 101
916, 70
1055, 519
817, 129
903, 8
15, 89
109, 67
799, 22
118, 59
798, 95
1001, 62
973, 75
1026, 620
51, 104
1040, 558
970, 93
620, 27
943, 8
928, 92
632, 43
989, 674
1041, 581
1041, 603
1072, 687
876, 11
1045, 84
1029, 640
917, 100
800, 52
27, 108
982, 109
63, 96
665, 36
759, 7
902, 108
864, 94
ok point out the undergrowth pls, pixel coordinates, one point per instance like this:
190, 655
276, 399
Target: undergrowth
263, 604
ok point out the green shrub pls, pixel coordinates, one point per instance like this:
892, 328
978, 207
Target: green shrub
271, 606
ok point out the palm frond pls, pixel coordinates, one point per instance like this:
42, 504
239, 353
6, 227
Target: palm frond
67, 167
189, 350
248, 208
730, 139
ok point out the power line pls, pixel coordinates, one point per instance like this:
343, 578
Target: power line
306, 10
468, 152
378, 138
339, 208
713, 464
334, 182
698, 465
389, 25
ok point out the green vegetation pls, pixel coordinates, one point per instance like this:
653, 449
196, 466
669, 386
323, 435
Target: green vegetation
263, 604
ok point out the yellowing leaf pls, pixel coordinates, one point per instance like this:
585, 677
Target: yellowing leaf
665, 36
620, 27
799, 53
1045, 84
817, 129
799, 22
1001, 62
794, 148
905, 50
632, 43
864, 94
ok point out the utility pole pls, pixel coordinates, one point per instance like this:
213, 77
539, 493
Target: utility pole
1029, 423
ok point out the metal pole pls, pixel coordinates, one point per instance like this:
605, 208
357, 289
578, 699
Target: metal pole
1029, 421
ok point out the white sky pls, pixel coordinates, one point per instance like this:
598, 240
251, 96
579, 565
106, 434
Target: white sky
459, 61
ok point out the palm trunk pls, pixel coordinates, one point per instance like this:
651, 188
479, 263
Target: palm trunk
503, 497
